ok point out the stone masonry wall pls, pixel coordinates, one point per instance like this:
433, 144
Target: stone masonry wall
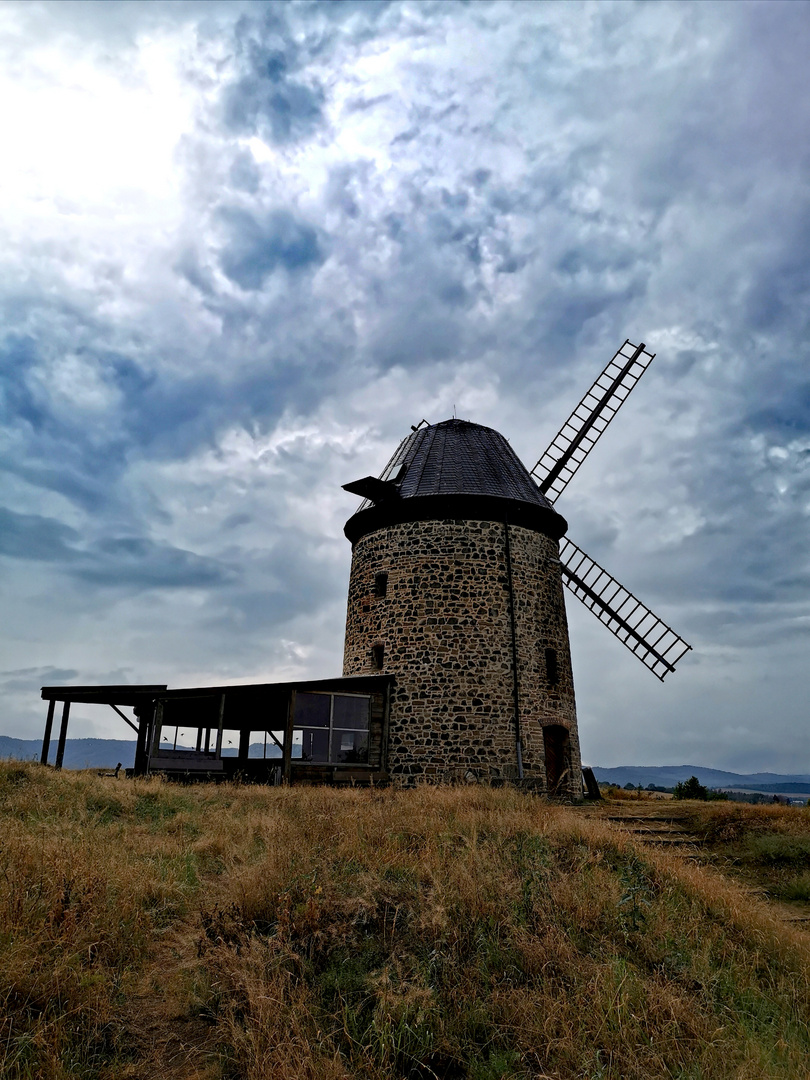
444, 625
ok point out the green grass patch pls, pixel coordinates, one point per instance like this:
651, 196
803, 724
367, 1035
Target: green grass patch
779, 850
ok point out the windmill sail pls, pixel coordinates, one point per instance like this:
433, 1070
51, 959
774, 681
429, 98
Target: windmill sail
580, 432
653, 642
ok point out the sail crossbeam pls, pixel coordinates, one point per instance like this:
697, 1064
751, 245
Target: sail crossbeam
638, 628
581, 431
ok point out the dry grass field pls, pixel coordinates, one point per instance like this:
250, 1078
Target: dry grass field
151, 930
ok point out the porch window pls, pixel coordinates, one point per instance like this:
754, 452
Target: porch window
331, 728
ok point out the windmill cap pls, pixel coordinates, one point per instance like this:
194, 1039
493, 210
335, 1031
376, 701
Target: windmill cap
459, 470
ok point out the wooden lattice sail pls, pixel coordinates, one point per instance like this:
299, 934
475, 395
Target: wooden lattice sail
580, 432
649, 638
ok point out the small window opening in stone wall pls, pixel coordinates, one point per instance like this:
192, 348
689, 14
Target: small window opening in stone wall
381, 583
552, 667
378, 655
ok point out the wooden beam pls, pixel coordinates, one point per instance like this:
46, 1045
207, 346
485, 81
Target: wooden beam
124, 718
60, 749
286, 758
145, 719
157, 729
46, 739
275, 740
244, 744
221, 726
102, 695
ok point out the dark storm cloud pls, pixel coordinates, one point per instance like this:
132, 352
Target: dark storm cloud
135, 562
189, 267
291, 580
26, 679
233, 521
172, 416
18, 402
30, 536
271, 95
244, 173
125, 562
56, 448
90, 492
256, 247
783, 415
152, 411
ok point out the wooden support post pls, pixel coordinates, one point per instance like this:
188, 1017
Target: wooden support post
157, 729
221, 726
244, 744
60, 749
288, 736
46, 738
145, 714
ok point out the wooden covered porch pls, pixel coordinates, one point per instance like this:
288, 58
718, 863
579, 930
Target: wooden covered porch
314, 731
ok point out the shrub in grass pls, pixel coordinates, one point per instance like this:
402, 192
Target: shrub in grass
690, 789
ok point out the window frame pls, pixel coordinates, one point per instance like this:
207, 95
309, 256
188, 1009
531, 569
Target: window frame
330, 731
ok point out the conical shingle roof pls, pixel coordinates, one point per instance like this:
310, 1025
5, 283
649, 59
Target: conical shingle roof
460, 458
455, 469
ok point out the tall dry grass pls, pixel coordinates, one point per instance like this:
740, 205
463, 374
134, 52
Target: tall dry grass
440, 932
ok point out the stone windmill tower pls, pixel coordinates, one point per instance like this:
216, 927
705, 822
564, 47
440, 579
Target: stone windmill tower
458, 563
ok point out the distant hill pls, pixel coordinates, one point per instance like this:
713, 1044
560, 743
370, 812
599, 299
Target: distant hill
670, 775
97, 753
79, 753
106, 753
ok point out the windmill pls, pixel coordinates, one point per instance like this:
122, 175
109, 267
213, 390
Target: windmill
457, 663
458, 563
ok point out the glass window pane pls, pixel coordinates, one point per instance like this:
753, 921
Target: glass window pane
350, 747
351, 712
311, 745
263, 745
230, 743
312, 710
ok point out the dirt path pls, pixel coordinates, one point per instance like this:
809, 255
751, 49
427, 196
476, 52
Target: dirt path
163, 1033
661, 825
654, 823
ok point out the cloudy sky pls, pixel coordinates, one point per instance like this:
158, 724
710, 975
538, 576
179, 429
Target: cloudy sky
245, 245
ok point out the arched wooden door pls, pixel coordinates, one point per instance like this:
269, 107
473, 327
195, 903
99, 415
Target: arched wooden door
555, 743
